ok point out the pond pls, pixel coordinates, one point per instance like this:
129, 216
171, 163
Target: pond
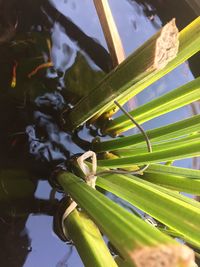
68, 34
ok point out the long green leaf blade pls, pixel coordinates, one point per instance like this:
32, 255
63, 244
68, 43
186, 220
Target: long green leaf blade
127, 232
175, 99
189, 44
144, 61
173, 170
184, 151
137, 150
176, 178
176, 213
174, 130
178, 183
88, 240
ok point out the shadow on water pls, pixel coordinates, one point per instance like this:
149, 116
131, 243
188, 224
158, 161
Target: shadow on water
32, 101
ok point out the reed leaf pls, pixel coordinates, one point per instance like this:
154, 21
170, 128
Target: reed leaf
137, 150
183, 151
121, 263
159, 168
173, 211
133, 238
88, 240
175, 99
176, 178
147, 59
131, 77
174, 130
189, 44
174, 182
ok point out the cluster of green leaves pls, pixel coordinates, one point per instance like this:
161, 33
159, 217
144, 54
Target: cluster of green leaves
155, 192
136, 240
131, 77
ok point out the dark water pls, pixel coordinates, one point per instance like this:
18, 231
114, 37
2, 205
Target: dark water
31, 136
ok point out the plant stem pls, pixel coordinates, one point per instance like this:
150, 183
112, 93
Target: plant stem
88, 240
121, 263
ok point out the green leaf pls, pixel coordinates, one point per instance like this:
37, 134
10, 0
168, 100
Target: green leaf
132, 76
173, 170
174, 130
178, 183
128, 233
175, 99
178, 213
88, 240
137, 150
139, 65
176, 178
189, 44
183, 151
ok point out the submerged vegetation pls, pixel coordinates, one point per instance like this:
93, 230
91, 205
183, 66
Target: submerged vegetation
155, 225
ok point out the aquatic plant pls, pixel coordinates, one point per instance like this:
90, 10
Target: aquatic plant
153, 190
125, 209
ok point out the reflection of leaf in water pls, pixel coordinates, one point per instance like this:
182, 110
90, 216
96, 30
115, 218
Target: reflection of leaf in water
80, 79
15, 184
17, 188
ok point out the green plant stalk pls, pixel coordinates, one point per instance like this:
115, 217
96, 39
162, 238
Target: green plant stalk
189, 44
174, 130
172, 211
128, 234
88, 240
172, 170
184, 151
144, 61
157, 146
178, 183
175, 99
